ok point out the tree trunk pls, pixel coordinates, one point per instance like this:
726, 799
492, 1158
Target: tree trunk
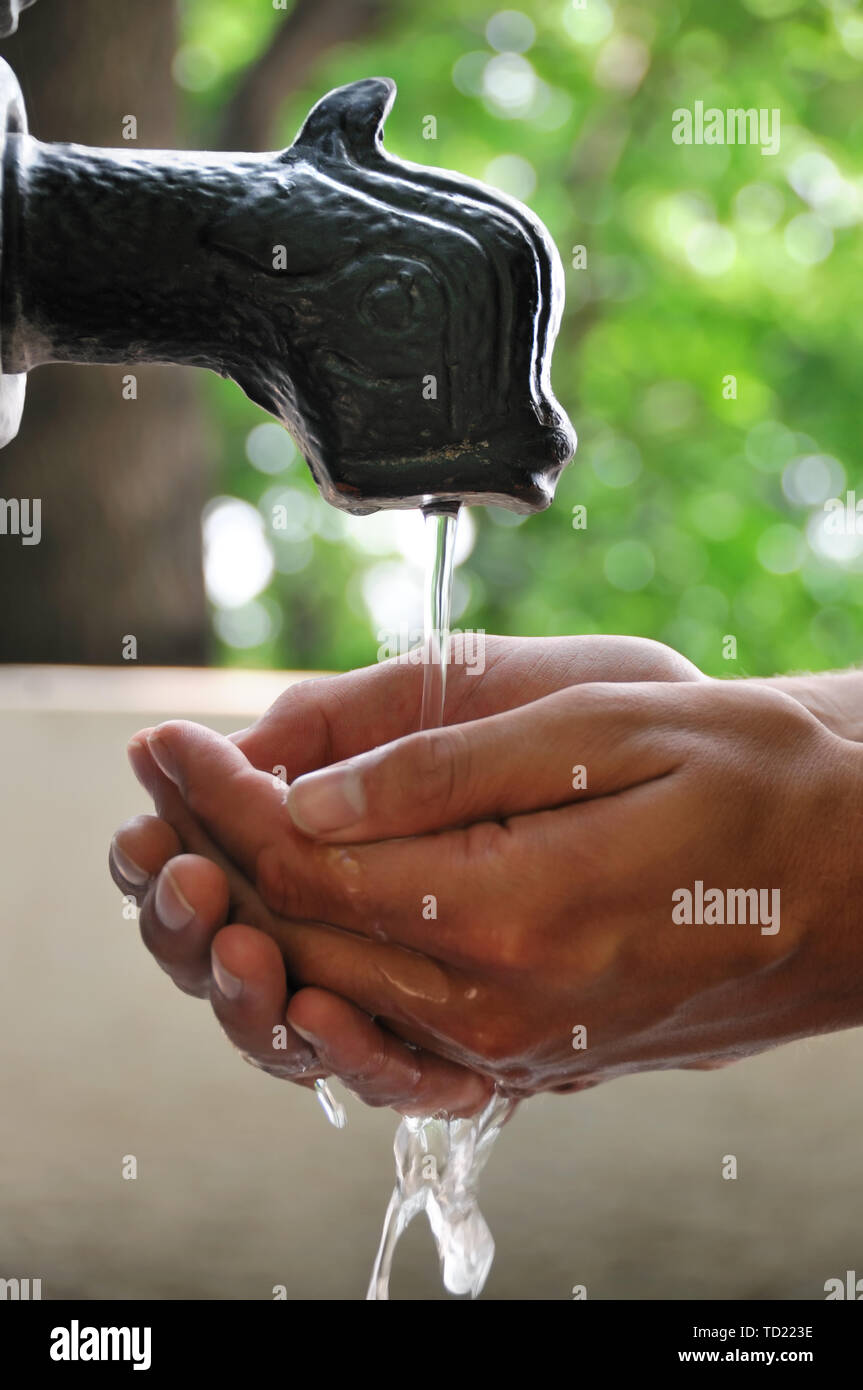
121, 482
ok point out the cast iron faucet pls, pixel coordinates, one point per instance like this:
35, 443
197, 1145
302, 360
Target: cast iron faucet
398, 319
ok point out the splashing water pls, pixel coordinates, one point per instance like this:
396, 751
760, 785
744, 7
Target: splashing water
439, 1160
438, 1166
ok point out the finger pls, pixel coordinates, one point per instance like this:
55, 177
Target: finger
243, 809
327, 719
379, 891
138, 851
182, 925
618, 735
318, 1034
181, 914
314, 953
172, 809
379, 1068
363, 889
250, 997
323, 720
142, 763
250, 1014
169, 802
575, 744
240, 807
320, 720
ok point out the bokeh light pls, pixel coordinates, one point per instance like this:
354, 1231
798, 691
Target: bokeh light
238, 561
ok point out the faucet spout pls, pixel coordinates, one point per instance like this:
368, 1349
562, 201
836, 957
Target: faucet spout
397, 319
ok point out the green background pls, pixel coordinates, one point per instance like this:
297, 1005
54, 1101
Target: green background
704, 514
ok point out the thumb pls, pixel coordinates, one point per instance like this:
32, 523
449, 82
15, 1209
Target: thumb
579, 743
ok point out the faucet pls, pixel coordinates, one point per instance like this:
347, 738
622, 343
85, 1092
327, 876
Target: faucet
397, 319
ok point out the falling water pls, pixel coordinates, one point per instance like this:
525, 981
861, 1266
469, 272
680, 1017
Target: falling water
439, 1160
332, 1108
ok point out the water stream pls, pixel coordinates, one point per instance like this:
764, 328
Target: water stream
439, 1160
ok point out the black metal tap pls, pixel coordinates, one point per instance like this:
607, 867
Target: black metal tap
398, 319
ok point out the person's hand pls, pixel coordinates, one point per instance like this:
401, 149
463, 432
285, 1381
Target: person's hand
210, 931
187, 902
487, 906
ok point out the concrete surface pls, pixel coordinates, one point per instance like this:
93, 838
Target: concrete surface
241, 1183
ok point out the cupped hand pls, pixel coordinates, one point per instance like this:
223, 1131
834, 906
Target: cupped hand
623, 878
522, 923
187, 902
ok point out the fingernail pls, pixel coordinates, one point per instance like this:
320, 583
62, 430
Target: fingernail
163, 756
136, 752
173, 908
227, 984
127, 868
305, 1034
332, 799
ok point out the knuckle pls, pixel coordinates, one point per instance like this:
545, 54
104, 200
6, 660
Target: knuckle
508, 946
666, 664
592, 956
796, 721
306, 702
442, 770
498, 950
315, 704
519, 953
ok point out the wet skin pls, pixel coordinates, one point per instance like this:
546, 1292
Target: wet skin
553, 901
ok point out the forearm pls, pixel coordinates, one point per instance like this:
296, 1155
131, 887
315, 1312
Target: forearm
834, 697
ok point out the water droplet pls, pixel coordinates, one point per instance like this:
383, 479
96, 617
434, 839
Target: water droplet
332, 1108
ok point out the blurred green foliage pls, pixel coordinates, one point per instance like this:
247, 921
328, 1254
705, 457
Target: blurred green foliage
704, 513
